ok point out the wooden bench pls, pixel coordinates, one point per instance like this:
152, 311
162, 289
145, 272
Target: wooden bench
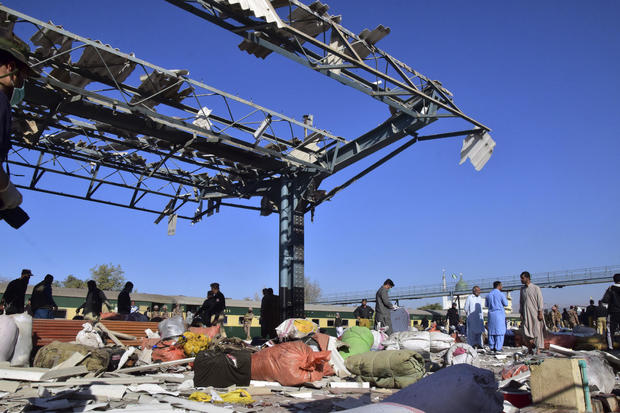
45, 331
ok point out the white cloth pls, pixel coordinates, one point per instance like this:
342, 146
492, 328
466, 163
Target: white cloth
475, 319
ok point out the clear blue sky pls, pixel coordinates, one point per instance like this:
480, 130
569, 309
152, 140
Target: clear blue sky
542, 75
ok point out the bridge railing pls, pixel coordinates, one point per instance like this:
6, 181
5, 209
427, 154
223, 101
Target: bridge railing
512, 282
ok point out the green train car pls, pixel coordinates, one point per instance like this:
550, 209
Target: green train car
69, 299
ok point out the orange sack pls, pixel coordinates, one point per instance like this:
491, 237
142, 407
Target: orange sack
291, 364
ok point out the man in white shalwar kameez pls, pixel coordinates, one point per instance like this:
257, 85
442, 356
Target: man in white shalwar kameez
531, 311
475, 318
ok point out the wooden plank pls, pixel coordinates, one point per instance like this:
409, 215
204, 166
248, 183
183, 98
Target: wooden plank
75, 359
79, 381
22, 373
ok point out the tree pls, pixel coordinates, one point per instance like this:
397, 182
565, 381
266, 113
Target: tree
434, 306
108, 276
73, 282
312, 290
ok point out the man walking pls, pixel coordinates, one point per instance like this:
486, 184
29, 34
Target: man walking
13, 297
495, 302
475, 318
364, 313
612, 299
41, 301
384, 305
338, 325
531, 311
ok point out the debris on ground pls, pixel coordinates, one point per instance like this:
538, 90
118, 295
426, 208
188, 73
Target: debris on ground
116, 368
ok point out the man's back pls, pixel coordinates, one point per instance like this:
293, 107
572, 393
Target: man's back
14, 296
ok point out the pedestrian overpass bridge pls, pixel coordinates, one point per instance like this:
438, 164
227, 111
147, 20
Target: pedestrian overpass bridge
554, 279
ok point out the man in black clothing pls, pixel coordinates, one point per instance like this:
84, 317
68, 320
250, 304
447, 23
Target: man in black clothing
41, 301
591, 315
95, 298
364, 313
124, 300
218, 306
453, 316
612, 299
13, 297
269, 313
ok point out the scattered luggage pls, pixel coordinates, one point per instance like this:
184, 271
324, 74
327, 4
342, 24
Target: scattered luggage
223, 369
400, 320
291, 364
390, 369
56, 352
359, 339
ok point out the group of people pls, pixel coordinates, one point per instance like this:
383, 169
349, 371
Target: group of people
530, 311
594, 316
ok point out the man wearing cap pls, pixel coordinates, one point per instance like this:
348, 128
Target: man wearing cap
42, 301
13, 297
383, 307
13, 72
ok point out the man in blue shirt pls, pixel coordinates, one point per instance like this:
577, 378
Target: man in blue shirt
42, 301
495, 302
13, 72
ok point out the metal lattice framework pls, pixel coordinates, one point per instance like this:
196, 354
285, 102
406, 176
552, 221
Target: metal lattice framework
105, 126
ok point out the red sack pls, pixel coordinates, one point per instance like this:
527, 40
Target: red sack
148, 343
166, 351
291, 364
513, 370
210, 332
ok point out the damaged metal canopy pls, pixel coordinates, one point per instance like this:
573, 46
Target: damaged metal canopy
144, 137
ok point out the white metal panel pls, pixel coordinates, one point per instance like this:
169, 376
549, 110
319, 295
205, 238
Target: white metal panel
478, 148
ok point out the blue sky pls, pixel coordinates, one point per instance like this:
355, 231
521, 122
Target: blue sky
542, 75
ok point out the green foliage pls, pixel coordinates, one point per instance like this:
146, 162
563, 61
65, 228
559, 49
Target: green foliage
73, 282
434, 306
108, 276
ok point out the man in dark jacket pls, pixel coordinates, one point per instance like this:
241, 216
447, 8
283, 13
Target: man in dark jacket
612, 299
124, 300
95, 298
453, 316
13, 297
384, 305
41, 301
591, 315
601, 318
364, 313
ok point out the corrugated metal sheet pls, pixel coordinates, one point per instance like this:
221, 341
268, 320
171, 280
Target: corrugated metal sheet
156, 82
46, 331
258, 8
478, 148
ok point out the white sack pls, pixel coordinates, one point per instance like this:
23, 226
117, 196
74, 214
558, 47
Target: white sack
8, 337
23, 346
88, 336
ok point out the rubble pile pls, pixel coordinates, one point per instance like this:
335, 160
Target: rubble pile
181, 368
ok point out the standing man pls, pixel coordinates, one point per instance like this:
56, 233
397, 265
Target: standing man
41, 301
601, 319
453, 317
263, 319
531, 311
475, 318
124, 300
95, 299
556, 318
591, 315
364, 313
247, 323
495, 302
612, 299
384, 305
13, 297
338, 325
573, 317
14, 70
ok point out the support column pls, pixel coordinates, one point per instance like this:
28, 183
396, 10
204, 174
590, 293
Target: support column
291, 252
